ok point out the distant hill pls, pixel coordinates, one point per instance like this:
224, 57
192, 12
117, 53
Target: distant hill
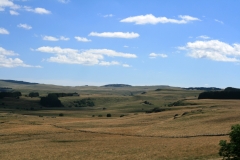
204, 88
117, 85
18, 82
228, 93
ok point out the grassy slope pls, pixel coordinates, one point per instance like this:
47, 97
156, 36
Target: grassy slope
193, 134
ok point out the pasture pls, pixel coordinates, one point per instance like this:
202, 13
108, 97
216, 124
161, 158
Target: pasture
190, 129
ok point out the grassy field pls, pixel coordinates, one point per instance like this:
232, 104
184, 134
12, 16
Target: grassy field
191, 129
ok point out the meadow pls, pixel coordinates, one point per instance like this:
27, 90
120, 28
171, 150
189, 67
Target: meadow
187, 129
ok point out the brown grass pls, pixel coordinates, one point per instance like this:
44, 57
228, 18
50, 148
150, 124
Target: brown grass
193, 134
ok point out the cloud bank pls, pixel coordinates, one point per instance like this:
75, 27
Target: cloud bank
151, 19
83, 57
127, 35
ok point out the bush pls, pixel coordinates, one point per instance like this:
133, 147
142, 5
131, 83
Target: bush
61, 114
99, 115
87, 102
231, 150
33, 94
50, 101
109, 115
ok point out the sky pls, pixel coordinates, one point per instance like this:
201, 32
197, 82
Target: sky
96, 42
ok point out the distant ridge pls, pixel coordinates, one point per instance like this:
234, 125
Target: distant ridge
204, 88
18, 82
117, 85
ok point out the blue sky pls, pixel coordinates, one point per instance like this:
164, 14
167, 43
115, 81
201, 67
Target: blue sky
138, 42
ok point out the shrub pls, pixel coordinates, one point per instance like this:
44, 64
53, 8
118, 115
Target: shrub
231, 150
99, 115
87, 102
122, 115
50, 101
33, 94
109, 115
61, 114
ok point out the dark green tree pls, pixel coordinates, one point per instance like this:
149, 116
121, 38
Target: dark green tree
33, 94
231, 150
50, 101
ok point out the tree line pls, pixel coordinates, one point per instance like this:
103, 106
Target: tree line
228, 93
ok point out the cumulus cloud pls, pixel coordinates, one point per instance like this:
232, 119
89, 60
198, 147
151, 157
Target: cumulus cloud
25, 26
151, 19
82, 39
7, 3
14, 13
154, 55
83, 57
51, 38
37, 10
203, 37
127, 35
3, 31
214, 50
5, 61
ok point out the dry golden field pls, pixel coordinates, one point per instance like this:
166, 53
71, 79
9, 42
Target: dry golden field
189, 131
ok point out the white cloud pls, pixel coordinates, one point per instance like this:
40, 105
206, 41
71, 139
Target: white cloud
214, 50
104, 63
108, 15
14, 13
82, 39
151, 19
64, 38
126, 65
154, 55
3, 31
127, 35
218, 21
25, 26
37, 10
203, 37
51, 38
84, 57
5, 61
125, 46
8, 3
64, 1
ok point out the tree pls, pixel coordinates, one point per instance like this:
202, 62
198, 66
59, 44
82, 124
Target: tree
33, 94
231, 150
50, 101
